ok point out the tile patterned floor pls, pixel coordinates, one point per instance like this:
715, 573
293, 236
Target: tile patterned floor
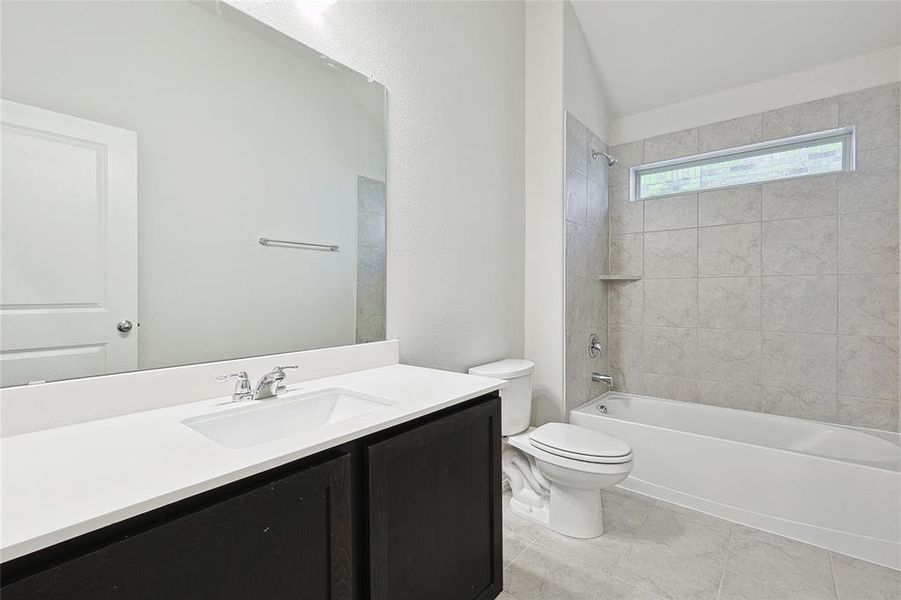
653, 550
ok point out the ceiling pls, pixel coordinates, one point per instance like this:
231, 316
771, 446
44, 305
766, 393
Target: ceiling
651, 54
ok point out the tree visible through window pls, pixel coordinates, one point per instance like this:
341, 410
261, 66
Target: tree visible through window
824, 152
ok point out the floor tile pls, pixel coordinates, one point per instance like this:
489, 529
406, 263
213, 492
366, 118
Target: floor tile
741, 587
596, 555
859, 580
787, 564
517, 525
694, 515
670, 531
670, 574
514, 544
656, 550
537, 575
624, 512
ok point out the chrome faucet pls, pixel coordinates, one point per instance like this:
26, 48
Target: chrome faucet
608, 379
242, 386
268, 386
595, 348
271, 384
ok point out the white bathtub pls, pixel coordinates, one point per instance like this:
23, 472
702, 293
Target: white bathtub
832, 486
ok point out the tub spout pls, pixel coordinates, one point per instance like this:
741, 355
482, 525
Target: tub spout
608, 379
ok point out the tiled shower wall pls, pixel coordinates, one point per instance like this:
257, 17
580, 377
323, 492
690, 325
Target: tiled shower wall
781, 297
371, 267
586, 260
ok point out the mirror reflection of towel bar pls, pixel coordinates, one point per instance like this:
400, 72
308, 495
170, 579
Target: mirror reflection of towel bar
302, 245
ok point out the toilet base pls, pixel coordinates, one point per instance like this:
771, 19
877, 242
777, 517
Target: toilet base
540, 515
573, 513
576, 513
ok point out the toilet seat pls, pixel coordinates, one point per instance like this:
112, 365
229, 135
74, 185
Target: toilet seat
523, 442
580, 443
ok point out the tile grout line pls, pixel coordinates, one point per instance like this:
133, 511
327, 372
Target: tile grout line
719, 589
832, 572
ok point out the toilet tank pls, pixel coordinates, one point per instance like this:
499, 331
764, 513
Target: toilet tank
516, 397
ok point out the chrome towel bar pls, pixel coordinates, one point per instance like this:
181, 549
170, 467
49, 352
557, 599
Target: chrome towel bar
303, 245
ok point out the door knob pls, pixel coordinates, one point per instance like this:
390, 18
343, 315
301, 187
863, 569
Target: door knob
124, 326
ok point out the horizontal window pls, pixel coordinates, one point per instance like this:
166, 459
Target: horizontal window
811, 154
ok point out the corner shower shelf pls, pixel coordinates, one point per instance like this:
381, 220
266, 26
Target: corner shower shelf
619, 277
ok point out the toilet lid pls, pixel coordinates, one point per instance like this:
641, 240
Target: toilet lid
580, 443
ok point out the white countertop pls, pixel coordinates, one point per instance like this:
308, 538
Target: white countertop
63, 482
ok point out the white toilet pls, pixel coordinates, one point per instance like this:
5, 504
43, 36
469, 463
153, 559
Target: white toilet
555, 471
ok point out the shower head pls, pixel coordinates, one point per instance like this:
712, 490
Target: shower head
610, 160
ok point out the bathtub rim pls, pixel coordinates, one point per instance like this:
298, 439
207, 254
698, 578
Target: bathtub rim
893, 468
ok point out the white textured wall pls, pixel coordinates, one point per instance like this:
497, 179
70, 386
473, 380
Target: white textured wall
454, 73
583, 91
544, 206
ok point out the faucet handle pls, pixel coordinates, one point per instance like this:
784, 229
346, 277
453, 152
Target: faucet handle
242, 375
242, 386
281, 387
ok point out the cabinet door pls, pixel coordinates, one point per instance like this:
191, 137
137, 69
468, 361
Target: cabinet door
435, 509
289, 538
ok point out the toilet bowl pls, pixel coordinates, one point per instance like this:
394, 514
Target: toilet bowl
555, 471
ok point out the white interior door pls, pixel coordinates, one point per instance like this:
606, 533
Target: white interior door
68, 237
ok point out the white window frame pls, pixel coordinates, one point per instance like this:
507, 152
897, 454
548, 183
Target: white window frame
844, 134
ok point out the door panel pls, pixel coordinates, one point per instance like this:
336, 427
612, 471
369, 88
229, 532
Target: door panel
68, 246
287, 539
435, 509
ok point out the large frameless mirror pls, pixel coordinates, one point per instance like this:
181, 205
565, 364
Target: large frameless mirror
181, 184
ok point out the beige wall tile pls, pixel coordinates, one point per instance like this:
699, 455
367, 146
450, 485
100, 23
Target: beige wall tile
800, 246
670, 351
576, 144
730, 134
800, 197
729, 206
729, 303
625, 216
670, 254
671, 302
673, 212
671, 387
626, 303
868, 243
872, 413
729, 250
743, 396
729, 355
868, 366
598, 205
800, 360
819, 115
671, 145
873, 185
800, 303
627, 156
625, 358
799, 402
868, 305
626, 254
875, 114
576, 197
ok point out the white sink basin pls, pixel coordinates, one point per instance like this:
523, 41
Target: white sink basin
290, 413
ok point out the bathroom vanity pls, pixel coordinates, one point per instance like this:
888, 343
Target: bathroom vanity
128, 470
403, 502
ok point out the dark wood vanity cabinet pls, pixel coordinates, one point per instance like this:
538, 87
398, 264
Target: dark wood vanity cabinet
435, 509
287, 538
411, 512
